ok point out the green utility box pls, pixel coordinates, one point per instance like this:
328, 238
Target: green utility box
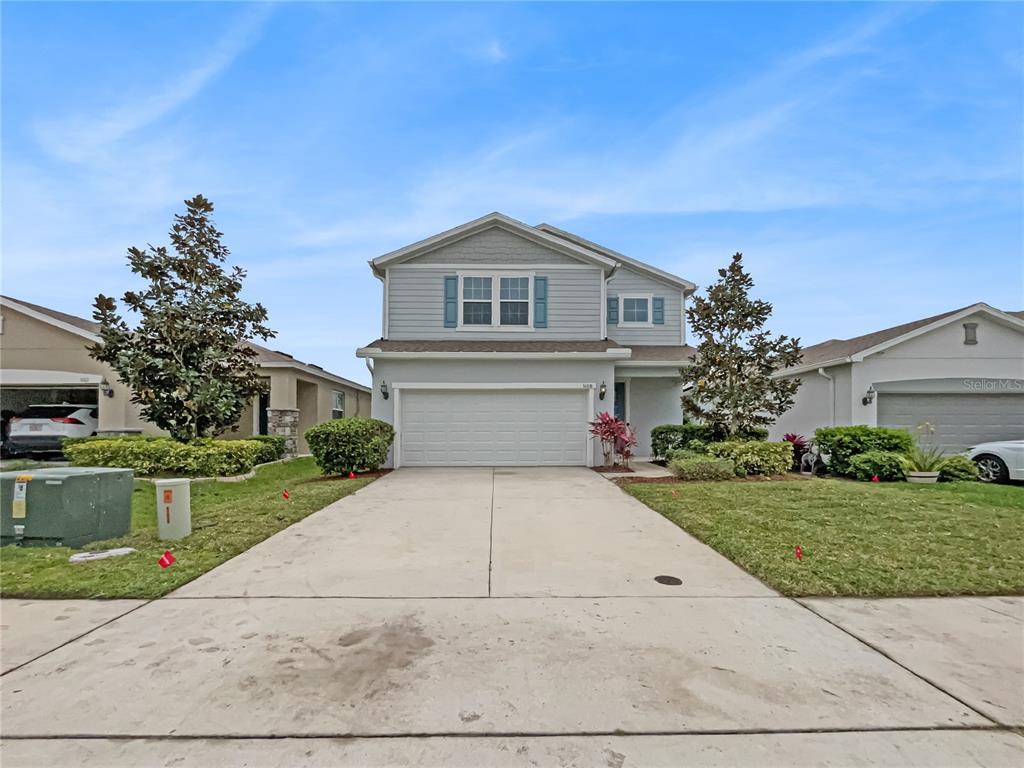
64, 506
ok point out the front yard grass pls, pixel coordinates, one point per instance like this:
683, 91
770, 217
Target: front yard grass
227, 519
858, 539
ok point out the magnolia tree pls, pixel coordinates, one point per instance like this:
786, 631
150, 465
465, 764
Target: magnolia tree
616, 436
185, 360
730, 386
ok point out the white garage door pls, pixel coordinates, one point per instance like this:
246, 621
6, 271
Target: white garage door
960, 421
493, 427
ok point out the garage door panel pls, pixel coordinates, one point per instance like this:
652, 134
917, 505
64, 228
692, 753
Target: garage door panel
959, 420
493, 427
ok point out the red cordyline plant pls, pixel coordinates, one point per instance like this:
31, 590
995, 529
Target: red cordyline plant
616, 436
800, 447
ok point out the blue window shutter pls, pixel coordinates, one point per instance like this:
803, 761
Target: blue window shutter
540, 302
451, 301
613, 310
658, 310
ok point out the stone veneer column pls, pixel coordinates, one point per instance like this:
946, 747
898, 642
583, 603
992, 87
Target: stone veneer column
284, 422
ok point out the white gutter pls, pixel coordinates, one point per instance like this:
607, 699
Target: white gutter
831, 393
620, 353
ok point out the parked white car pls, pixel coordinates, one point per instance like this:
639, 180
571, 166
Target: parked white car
999, 462
41, 428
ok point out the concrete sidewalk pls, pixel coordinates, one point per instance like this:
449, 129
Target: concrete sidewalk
511, 617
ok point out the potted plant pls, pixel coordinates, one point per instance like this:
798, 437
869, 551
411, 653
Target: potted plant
925, 460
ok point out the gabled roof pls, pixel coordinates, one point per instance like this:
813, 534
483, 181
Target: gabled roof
639, 266
266, 358
838, 351
491, 221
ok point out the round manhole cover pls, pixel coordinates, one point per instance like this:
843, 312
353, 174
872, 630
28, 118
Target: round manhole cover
671, 581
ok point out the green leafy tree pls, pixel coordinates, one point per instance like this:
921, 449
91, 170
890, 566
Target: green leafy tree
730, 385
186, 360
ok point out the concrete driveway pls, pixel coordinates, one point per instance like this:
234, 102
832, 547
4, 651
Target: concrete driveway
490, 616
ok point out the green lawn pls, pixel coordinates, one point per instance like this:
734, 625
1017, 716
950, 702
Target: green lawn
858, 539
227, 519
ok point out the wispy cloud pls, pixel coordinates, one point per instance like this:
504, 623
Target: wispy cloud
85, 138
739, 149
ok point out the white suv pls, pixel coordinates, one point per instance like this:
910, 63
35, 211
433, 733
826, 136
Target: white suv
42, 428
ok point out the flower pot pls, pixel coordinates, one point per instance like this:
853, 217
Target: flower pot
922, 477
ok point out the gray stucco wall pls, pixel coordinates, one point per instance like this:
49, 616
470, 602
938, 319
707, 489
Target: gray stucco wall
416, 306
495, 247
626, 281
652, 402
490, 372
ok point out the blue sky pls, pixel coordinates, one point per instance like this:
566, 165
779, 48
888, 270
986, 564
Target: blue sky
867, 159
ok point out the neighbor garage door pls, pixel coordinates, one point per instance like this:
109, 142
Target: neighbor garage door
960, 421
493, 427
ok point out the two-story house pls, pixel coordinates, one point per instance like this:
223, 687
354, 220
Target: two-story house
500, 342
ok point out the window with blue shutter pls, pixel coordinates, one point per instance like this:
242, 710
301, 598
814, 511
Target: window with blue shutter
540, 302
613, 310
658, 310
451, 301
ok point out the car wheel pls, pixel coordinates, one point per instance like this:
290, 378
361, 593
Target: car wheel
991, 469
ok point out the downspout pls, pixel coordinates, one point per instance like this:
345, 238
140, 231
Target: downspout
604, 301
831, 393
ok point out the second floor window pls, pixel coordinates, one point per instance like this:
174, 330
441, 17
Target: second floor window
635, 310
515, 300
476, 301
496, 301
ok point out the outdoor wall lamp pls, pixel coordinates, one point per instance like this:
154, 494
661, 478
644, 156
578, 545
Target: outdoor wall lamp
384, 389
106, 389
602, 391
869, 396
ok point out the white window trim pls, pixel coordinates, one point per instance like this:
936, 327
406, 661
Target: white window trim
496, 303
649, 297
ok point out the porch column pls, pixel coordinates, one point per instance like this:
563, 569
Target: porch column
283, 413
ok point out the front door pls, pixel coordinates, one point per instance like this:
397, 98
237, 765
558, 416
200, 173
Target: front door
620, 400
264, 404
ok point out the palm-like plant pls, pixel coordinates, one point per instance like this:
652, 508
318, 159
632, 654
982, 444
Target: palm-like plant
925, 458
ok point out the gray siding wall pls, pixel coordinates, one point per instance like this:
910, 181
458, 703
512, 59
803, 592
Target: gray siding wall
495, 247
627, 282
416, 306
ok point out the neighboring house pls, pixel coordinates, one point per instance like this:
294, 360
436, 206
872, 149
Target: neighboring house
43, 360
962, 372
500, 341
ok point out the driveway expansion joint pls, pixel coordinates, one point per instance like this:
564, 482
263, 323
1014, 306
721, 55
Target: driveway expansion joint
503, 734
918, 675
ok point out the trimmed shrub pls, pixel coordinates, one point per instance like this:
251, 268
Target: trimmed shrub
272, 447
205, 457
843, 443
888, 465
957, 468
694, 437
700, 466
350, 444
675, 437
755, 457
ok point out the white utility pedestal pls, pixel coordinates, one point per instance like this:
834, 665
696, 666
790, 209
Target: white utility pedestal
173, 508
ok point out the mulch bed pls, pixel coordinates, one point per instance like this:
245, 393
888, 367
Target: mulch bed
359, 476
611, 470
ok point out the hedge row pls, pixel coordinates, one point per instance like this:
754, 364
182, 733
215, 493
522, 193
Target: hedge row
165, 456
693, 437
755, 457
843, 443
